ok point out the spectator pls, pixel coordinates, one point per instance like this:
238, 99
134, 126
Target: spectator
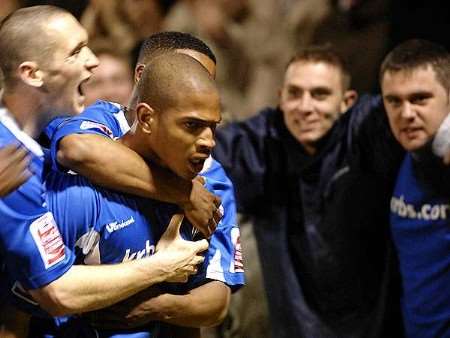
252, 39
317, 183
123, 24
112, 80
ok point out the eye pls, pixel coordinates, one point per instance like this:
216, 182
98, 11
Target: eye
320, 95
293, 92
392, 101
192, 125
420, 99
77, 51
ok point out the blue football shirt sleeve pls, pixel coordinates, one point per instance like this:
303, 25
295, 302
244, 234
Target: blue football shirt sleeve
223, 260
32, 247
97, 120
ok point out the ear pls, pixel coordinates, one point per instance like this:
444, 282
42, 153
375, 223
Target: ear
350, 97
30, 74
279, 92
138, 70
145, 117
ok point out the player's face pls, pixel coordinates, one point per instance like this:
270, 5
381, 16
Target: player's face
416, 104
183, 138
111, 81
312, 98
68, 67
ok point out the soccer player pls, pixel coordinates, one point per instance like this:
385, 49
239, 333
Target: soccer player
173, 128
44, 60
85, 144
86, 138
415, 83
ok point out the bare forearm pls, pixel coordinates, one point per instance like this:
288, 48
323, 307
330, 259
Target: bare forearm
87, 288
204, 306
112, 165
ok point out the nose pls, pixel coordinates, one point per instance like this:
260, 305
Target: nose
407, 111
305, 104
206, 142
91, 60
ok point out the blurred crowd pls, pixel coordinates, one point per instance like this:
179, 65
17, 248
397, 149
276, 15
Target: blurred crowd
252, 39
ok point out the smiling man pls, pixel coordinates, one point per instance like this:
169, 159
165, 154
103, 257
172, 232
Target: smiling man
316, 175
415, 82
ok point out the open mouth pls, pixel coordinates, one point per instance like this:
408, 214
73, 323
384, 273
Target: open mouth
80, 90
82, 85
197, 164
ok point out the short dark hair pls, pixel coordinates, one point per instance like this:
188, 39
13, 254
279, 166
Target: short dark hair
162, 42
169, 77
327, 54
416, 53
22, 37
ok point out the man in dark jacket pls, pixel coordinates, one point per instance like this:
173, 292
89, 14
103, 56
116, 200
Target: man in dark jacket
316, 177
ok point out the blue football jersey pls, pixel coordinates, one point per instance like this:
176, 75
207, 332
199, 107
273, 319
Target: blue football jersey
107, 227
31, 247
102, 118
420, 224
108, 119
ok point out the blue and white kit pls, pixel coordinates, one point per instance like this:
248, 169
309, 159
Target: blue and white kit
108, 227
31, 247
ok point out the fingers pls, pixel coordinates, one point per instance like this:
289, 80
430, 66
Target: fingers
14, 170
217, 201
12, 155
173, 229
200, 246
214, 221
200, 179
7, 151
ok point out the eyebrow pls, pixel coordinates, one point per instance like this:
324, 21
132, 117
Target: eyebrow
80, 45
421, 93
198, 119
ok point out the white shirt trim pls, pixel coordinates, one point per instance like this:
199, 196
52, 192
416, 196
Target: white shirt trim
9, 122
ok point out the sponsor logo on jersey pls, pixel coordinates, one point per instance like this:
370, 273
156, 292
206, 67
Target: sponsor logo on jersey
48, 240
87, 125
425, 211
146, 252
114, 226
237, 264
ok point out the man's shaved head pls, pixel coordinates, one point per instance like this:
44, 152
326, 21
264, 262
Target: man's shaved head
178, 110
170, 79
24, 37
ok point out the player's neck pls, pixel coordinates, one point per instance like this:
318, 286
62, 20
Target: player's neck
23, 110
135, 142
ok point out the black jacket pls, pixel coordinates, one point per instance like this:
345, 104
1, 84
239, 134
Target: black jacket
321, 222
